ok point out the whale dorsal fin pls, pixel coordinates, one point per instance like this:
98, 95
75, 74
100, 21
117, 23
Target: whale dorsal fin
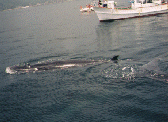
115, 58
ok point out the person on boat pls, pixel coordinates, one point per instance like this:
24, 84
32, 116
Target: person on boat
81, 7
105, 4
89, 6
99, 3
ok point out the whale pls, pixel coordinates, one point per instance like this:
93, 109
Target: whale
55, 65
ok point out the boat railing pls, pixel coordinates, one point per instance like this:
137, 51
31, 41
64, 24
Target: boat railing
123, 8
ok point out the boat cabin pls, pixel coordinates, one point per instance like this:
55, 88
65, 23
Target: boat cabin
144, 3
105, 3
134, 3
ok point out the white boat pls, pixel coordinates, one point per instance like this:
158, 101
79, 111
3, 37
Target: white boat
108, 11
87, 9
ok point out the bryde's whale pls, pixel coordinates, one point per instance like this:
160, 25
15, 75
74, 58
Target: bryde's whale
55, 65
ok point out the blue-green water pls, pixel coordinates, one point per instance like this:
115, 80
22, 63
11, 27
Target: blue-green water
134, 89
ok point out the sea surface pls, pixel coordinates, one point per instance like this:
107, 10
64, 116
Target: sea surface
133, 89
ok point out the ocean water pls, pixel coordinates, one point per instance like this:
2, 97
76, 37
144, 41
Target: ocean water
133, 89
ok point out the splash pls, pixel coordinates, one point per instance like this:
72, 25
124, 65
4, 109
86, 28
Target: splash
156, 69
8, 70
120, 71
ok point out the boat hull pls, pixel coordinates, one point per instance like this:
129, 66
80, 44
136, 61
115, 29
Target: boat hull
105, 14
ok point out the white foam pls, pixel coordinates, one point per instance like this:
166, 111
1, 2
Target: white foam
35, 69
8, 70
121, 71
124, 68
